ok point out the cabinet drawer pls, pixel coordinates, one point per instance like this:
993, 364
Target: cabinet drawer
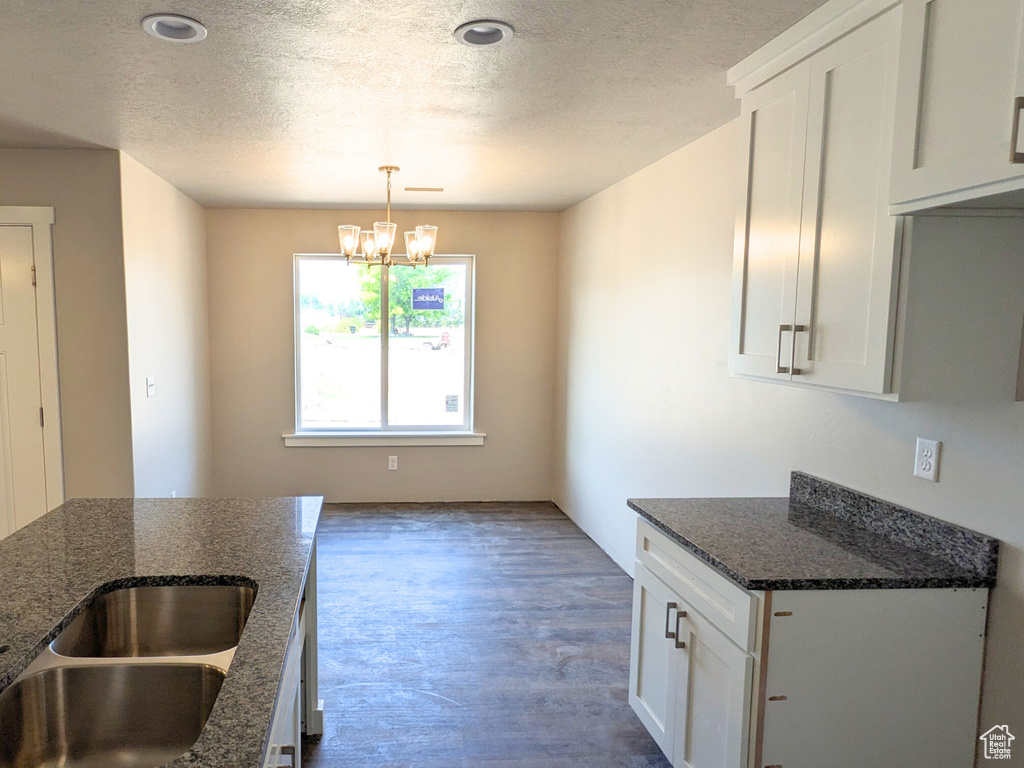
729, 607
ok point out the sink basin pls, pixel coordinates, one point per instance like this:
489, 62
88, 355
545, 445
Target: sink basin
110, 716
158, 621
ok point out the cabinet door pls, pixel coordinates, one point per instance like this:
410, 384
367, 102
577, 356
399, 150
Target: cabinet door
960, 71
653, 655
713, 688
849, 245
767, 238
284, 746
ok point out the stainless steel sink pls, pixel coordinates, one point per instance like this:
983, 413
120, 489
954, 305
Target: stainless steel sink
106, 716
158, 621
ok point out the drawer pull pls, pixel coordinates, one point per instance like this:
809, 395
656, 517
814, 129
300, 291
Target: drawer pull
679, 643
777, 698
1018, 107
783, 613
668, 611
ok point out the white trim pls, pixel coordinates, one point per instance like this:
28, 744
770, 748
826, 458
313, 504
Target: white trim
41, 218
816, 30
367, 439
891, 397
465, 428
35, 216
948, 200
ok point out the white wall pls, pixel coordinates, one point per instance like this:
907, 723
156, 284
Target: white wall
645, 406
252, 361
168, 334
83, 186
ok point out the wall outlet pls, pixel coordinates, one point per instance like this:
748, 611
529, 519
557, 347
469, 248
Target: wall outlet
150, 386
926, 459
392, 462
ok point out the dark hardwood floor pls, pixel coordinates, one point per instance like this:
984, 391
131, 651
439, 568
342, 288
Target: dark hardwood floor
476, 635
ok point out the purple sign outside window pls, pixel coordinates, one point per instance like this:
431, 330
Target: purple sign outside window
428, 298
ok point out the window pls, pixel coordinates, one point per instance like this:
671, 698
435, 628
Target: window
383, 349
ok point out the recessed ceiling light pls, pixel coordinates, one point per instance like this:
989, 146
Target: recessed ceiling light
484, 32
174, 28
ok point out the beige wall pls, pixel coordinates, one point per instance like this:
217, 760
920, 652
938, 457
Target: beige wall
252, 354
645, 406
168, 334
83, 186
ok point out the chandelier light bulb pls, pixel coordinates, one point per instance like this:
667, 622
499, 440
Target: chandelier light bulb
426, 236
349, 236
384, 236
369, 246
412, 246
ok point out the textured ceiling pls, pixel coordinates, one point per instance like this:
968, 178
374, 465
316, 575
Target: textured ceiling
296, 102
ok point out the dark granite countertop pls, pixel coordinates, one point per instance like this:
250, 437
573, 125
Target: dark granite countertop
824, 536
50, 568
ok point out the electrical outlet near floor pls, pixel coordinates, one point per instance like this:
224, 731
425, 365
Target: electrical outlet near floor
926, 459
392, 462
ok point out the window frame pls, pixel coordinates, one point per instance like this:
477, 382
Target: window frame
461, 434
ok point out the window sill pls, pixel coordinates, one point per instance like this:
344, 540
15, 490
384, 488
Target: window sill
366, 439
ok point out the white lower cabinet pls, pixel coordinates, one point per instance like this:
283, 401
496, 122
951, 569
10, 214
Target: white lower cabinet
299, 708
888, 678
713, 684
284, 747
689, 683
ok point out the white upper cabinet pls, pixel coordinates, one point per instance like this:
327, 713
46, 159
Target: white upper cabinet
960, 80
816, 256
768, 230
849, 245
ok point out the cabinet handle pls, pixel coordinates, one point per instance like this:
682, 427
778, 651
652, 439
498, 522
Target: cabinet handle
779, 367
1018, 107
792, 350
679, 643
668, 611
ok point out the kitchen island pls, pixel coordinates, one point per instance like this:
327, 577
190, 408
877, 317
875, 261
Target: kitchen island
53, 568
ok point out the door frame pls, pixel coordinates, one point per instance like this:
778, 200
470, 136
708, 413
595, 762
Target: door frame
41, 219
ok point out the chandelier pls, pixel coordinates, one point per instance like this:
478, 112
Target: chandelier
376, 245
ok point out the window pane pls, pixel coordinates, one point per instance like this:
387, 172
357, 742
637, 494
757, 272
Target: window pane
339, 324
427, 349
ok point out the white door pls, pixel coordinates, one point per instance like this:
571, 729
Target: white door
23, 477
961, 69
713, 688
849, 245
767, 241
653, 655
